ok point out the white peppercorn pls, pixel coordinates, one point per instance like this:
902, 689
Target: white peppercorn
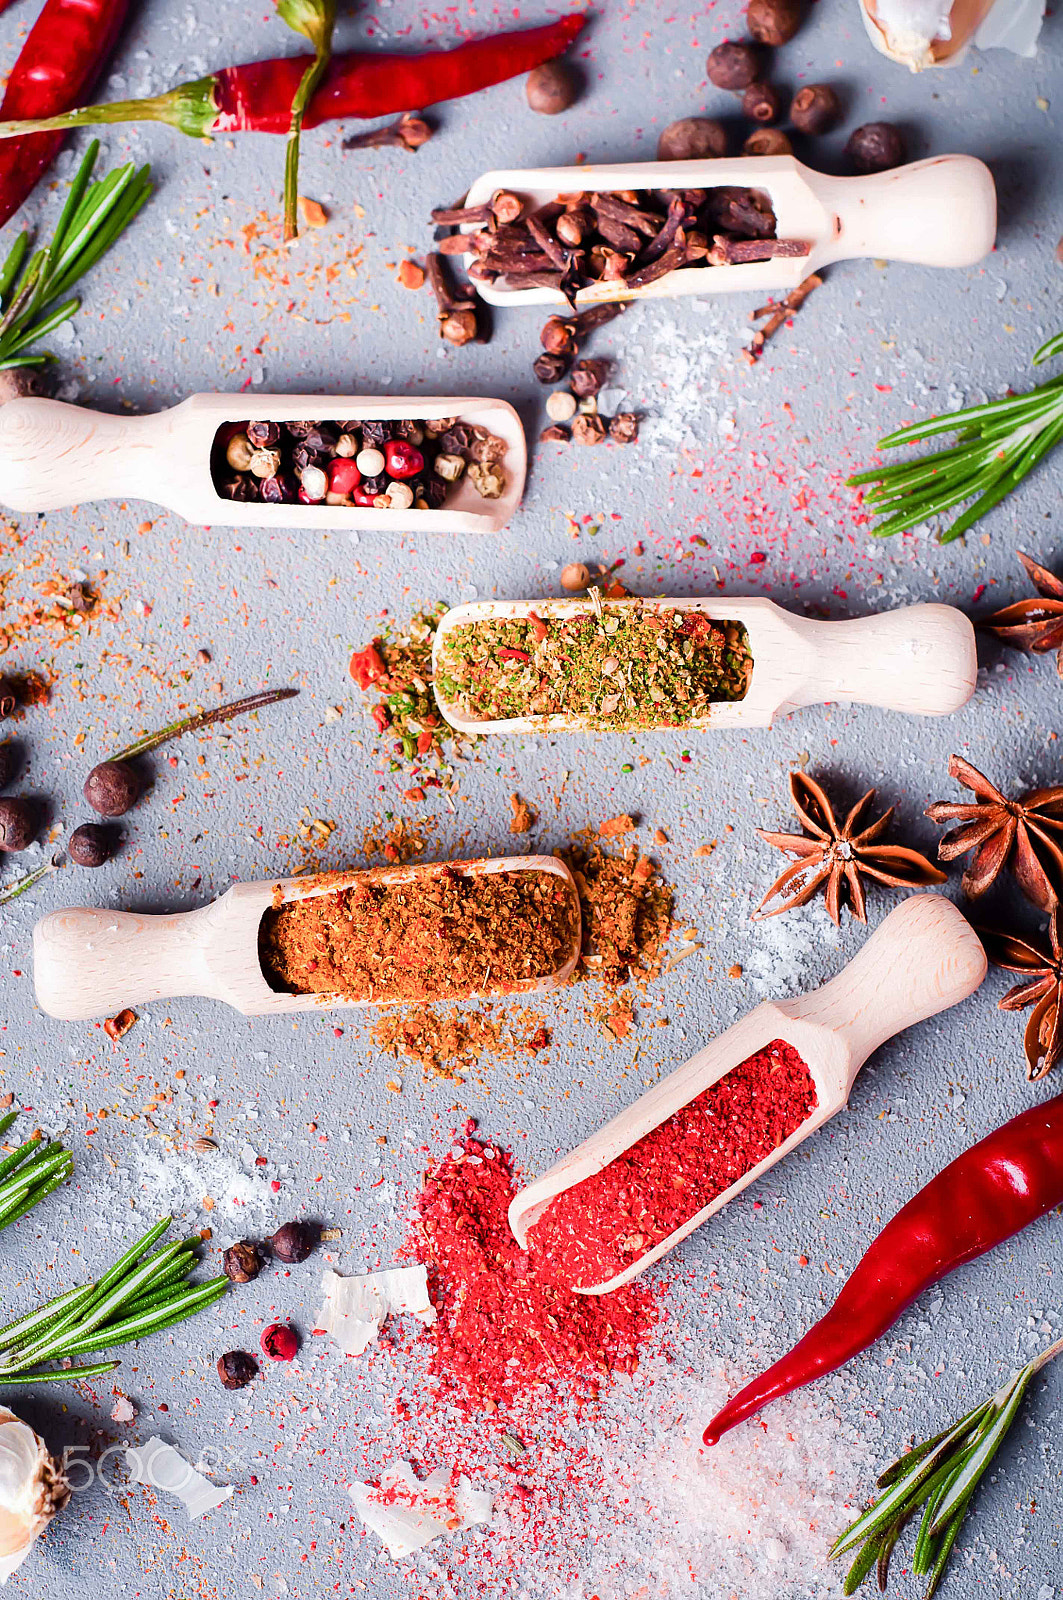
561, 406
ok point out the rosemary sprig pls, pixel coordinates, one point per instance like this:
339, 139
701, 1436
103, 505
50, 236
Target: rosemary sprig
29, 1174
133, 1299
202, 719
316, 21
11, 891
999, 443
33, 286
941, 1476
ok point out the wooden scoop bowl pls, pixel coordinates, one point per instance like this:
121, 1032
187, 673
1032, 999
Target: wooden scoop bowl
91, 963
924, 958
938, 213
54, 455
920, 659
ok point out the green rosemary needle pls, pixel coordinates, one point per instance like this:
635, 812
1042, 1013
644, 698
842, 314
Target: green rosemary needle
33, 286
134, 1298
29, 1174
999, 443
940, 1477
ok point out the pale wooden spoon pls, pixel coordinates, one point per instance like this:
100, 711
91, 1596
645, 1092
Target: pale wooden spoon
940, 212
924, 958
920, 659
91, 963
54, 455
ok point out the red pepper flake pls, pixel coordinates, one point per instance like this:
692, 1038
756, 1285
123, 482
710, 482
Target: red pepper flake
595, 1230
382, 717
538, 627
414, 795
613, 827
424, 742
367, 666
508, 654
116, 1027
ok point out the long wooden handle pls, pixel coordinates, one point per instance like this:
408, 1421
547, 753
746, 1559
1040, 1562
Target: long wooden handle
54, 455
939, 213
92, 963
920, 659
924, 958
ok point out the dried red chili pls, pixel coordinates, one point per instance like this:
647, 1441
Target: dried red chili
598, 1228
506, 1325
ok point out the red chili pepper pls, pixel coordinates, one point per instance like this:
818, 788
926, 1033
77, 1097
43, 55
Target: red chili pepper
982, 1198
538, 627
66, 48
367, 666
257, 96
506, 654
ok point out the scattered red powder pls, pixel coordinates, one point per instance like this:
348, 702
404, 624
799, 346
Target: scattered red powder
506, 1325
598, 1228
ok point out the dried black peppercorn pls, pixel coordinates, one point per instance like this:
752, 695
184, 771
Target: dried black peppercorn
293, 1242
550, 368
692, 139
377, 432
588, 376
624, 428
322, 437
305, 456
767, 142
456, 441
111, 788
876, 147
377, 484
90, 845
434, 490
263, 435
236, 1369
733, 65
298, 430
815, 108
17, 825
774, 22
554, 435
242, 1262
762, 103
8, 697
278, 490
243, 487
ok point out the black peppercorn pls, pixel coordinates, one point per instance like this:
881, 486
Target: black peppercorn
767, 142
111, 788
550, 88
456, 441
278, 490
815, 108
433, 490
293, 1242
692, 139
236, 1369
17, 825
588, 376
876, 147
377, 484
762, 103
242, 1262
8, 764
554, 435
624, 428
263, 435
322, 436
774, 22
90, 845
377, 433
298, 430
550, 368
305, 456
733, 65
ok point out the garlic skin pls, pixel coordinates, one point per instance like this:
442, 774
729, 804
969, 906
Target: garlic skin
32, 1490
938, 33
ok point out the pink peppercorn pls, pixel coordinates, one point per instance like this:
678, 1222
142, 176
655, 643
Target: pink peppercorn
403, 460
280, 1342
343, 476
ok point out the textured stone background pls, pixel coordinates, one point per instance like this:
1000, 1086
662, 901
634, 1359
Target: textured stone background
752, 462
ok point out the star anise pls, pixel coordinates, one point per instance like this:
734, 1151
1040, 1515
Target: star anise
1034, 625
1042, 988
997, 828
839, 855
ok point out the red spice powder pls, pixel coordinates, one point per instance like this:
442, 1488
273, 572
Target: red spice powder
506, 1324
599, 1227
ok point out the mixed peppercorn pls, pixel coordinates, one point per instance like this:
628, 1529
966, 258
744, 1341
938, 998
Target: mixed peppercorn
388, 465
618, 665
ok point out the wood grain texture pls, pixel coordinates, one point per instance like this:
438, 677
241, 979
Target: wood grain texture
922, 959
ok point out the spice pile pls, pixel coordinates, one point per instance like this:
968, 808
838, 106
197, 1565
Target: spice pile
618, 665
399, 667
387, 465
449, 1044
601, 1226
442, 936
627, 912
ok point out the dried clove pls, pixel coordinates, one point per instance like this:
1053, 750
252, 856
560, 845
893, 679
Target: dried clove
732, 252
408, 133
457, 316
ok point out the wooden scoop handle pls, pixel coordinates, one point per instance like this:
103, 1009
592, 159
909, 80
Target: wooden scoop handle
54, 455
924, 958
939, 213
90, 963
920, 659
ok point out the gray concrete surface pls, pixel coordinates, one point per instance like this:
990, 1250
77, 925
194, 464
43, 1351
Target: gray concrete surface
748, 460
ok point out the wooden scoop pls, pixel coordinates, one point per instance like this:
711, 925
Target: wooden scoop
91, 963
924, 958
920, 659
938, 213
54, 455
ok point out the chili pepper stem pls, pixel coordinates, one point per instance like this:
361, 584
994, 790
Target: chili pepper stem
202, 719
190, 108
315, 20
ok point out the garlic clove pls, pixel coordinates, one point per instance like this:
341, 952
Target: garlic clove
32, 1490
937, 33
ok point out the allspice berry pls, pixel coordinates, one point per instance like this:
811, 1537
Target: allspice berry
293, 1242
90, 845
550, 368
111, 788
762, 103
876, 147
815, 108
587, 376
575, 576
242, 1262
236, 1369
551, 88
558, 337
692, 139
774, 22
733, 65
767, 142
17, 825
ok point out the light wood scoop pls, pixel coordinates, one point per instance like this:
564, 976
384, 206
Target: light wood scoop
941, 212
920, 659
91, 963
924, 958
54, 455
